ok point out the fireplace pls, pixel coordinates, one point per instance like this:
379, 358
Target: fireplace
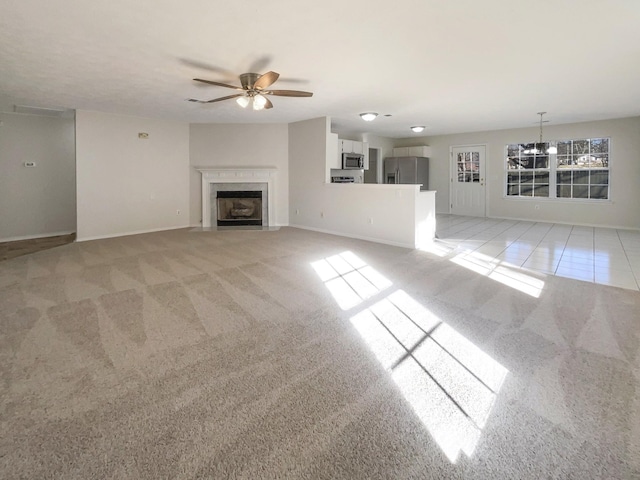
239, 208
217, 180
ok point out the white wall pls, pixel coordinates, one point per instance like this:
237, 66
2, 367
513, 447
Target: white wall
381, 213
235, 145
129, 185
40, 201
622, 211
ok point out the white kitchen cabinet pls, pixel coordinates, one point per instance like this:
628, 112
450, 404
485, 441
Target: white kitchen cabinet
419, 151
351, 146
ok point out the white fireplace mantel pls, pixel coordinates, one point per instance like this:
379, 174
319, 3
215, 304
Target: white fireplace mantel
212, 175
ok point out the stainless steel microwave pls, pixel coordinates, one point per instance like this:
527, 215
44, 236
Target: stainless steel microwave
352, 161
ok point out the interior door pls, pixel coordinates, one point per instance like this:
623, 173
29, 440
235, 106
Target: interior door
468, 180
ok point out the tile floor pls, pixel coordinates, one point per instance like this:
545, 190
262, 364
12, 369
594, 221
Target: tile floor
605, 256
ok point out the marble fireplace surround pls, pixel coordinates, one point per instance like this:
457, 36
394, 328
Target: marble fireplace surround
237, 178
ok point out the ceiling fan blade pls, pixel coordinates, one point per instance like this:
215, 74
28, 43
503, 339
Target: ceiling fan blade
289, 93
268, 104
265, 80
217, 99
217, 84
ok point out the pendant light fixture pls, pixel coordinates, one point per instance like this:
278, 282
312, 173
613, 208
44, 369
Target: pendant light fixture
552, 150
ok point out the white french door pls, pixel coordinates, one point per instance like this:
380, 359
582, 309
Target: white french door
467, 194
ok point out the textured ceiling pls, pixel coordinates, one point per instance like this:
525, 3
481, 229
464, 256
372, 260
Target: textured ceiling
454, 66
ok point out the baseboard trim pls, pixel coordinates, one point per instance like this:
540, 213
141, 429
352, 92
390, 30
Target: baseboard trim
32, 237
126, 234
350, 235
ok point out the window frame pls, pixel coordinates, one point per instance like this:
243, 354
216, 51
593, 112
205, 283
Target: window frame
554, 171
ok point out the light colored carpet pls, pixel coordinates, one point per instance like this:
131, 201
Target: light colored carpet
226, 355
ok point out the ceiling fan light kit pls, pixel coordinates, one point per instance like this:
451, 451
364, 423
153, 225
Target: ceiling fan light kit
243, 101
254, 88
368, 116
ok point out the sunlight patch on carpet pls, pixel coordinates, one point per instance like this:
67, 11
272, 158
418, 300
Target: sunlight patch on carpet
450, 383
349, 279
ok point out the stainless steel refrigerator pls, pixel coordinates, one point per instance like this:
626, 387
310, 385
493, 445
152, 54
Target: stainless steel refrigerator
407, 170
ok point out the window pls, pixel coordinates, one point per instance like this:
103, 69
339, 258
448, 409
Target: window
583, 169
579, 169
528, 170
468, 167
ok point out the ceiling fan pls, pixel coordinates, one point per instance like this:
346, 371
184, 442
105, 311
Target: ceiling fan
254, 88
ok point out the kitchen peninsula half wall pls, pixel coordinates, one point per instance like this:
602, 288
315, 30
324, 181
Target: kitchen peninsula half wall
400, 215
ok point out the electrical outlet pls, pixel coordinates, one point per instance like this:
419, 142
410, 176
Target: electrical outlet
321, 214
370, 221
178, 212
297, 211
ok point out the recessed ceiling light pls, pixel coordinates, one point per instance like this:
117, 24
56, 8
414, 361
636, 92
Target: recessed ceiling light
368, 116
417, 128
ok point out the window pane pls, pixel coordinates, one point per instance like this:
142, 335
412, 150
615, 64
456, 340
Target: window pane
526, 190
513, 189
526, 177
582, 161
563, 177
513, 150
564, 161
581, 176
513, 177
542, 162
564, 191
580, 147
600, 160
542, 177
599, 145
599, 191
513, 163
564, 148
476, 177
541, 191
580, 191
599, 177
527, 162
